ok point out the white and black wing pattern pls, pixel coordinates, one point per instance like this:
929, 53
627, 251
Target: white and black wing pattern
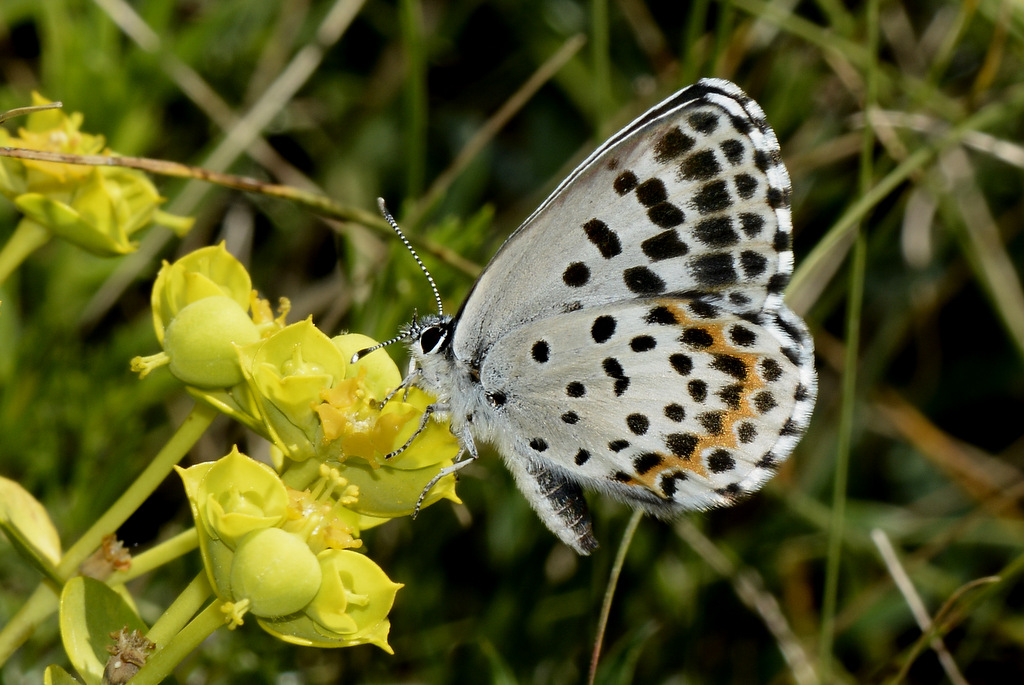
691, 199
630, 336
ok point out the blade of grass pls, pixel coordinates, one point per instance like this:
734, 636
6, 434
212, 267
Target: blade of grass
415, 148
848, 405
609, 591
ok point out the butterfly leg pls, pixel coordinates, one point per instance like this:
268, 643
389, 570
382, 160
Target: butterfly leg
468, 447
557, 500
407, 382
427, 413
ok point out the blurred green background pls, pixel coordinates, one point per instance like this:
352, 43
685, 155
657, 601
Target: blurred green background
380, 98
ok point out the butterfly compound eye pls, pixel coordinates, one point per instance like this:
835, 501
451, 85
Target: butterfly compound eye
432, 339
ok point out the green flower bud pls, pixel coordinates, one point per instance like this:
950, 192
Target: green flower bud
276, 572
201, 340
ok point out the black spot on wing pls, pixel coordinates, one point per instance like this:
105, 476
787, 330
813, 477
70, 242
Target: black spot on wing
714, 270
671, 145
732, 395
712, 197
638, 423
646, 461
603, 328
665, 215
751, 224
682, 445
733, 151
716, 232
613, 369
643, 343
540, 351
682, 364
603, 238
770, 370
576, 275
712, 421
746, 186
704, 122
746, 432
664, 245
698, 390
624, 182
703, 309
730, 365
700, 166
696, 337
651, 192
642, 281
753, 263
743, 336
720, 461
660, 315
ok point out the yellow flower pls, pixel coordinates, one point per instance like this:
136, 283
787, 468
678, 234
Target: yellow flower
284, 556
96, 208
286, 374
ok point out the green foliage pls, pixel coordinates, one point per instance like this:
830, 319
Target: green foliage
935, 449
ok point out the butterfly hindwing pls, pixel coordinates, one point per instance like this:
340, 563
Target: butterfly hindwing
663, 404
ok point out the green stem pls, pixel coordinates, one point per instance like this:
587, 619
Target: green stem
43, 601
26, 239
174, 652
609, 591
181, 610
41, 604
181, 442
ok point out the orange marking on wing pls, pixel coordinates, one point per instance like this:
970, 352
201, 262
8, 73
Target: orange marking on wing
730, 417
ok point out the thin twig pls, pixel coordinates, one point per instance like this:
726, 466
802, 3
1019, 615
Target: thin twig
917, 607
21, 111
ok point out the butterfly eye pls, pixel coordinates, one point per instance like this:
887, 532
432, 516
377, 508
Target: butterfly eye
433, 339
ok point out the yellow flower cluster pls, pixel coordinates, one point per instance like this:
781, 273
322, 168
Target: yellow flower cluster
97, 208
278, 542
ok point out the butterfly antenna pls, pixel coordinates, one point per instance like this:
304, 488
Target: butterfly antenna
405, 241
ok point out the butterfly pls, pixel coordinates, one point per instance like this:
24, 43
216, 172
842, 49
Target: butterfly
630, 337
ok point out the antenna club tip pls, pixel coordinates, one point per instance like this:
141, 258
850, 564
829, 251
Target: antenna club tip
354, 359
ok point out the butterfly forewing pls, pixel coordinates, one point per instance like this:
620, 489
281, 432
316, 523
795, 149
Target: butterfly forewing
690, 200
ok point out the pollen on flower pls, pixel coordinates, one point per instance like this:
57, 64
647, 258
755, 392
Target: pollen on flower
352, 416
263, 315
315, 512
234, 612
